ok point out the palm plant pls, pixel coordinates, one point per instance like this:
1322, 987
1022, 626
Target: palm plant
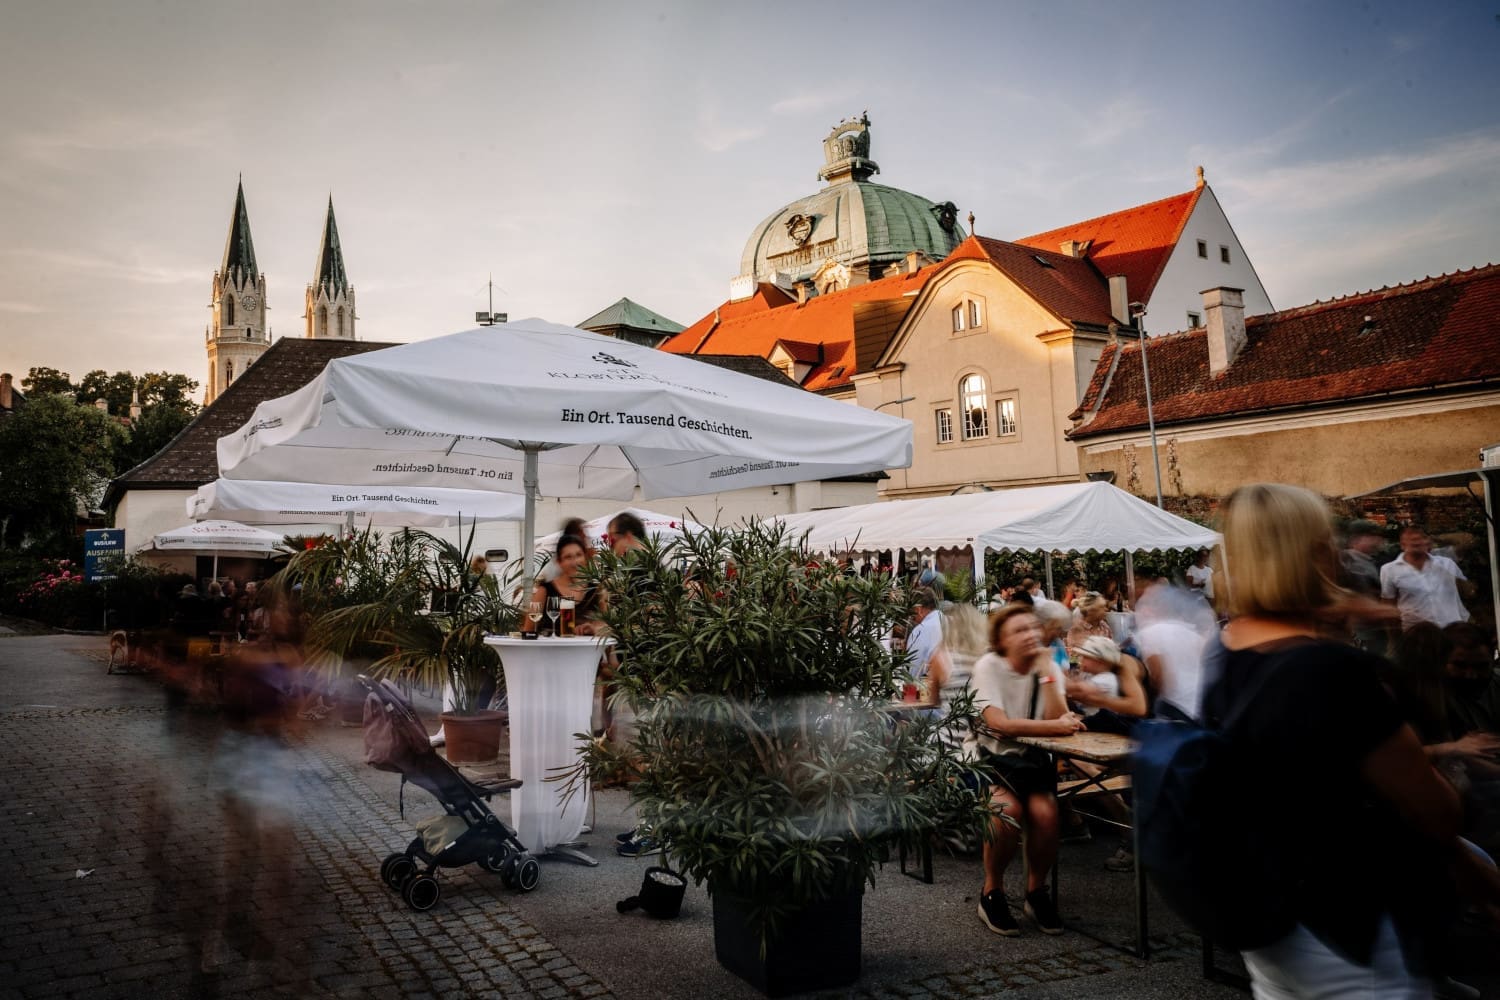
370, 595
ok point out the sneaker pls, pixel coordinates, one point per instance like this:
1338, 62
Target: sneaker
1121, 861
1040, 909
994, 911
625, 838
642, 847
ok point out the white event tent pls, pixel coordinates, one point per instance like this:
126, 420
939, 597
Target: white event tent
664, 527
1071, 517
540, 409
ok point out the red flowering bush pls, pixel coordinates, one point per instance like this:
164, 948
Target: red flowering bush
60, 596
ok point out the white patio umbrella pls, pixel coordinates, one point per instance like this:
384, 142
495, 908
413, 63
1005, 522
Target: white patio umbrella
255, 502
217, 537
537, 408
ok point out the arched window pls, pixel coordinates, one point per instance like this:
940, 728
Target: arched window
322, 330
341, 321
974, 401
228, 372
228, 311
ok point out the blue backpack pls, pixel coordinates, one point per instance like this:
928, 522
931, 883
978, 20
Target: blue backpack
1201, 831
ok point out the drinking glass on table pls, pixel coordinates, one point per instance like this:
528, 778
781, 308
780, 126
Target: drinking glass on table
533, 621
554, 608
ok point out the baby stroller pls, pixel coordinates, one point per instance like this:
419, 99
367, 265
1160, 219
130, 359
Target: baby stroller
396, 740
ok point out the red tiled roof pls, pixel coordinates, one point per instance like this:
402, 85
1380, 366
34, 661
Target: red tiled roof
766, 297
1070, 287
1135, 242
1434, 332
829, 320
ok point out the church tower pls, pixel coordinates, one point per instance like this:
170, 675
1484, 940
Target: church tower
330, 297
237, 334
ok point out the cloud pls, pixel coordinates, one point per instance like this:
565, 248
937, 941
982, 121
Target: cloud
1320, 186
81, 140
109, 268
717, 135
803, 103
23, 308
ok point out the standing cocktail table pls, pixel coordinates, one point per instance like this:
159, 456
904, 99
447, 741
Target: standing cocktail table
549, 685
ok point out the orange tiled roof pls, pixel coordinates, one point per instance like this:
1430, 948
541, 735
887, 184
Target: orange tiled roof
1135, 242
1070, 287
1435, 332
754, 327
766, 297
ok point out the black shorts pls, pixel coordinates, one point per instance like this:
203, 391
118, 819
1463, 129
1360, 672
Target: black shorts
1030, 772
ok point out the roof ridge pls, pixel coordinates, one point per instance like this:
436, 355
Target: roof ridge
1402, 287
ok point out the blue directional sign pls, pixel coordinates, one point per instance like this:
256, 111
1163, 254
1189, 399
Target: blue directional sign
98, 544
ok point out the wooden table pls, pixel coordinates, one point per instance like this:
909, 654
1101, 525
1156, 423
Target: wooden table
1111, 754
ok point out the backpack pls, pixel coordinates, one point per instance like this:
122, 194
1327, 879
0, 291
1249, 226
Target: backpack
1202, 833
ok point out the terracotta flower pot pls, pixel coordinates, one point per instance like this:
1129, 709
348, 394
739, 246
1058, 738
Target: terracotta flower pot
475, 738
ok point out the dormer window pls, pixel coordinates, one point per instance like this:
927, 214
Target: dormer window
1195, 320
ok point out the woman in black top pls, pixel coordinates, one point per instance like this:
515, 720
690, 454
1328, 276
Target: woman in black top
1363, 830
572, 554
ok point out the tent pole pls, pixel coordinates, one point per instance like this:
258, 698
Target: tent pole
979, 582
1130, 577
216, 564
1050, 591
1491, 484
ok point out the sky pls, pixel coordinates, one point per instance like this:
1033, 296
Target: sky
580, 152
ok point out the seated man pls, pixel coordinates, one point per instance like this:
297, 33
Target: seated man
1018, 692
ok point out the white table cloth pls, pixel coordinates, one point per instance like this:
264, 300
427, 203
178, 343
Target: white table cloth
549, 684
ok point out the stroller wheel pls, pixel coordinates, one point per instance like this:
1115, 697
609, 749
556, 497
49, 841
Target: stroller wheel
396, 869
422, 892
497, 862
528, 874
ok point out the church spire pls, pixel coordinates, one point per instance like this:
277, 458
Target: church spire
330, 273
239, 250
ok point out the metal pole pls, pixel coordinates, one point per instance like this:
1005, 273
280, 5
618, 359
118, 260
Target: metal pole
1050, 591
529, 477
1140, 325
1491, 480
1130, 577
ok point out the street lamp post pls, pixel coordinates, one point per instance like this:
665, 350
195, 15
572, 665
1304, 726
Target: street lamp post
1138, 313
893, 402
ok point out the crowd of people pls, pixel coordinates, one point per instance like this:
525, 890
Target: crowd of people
1371, 705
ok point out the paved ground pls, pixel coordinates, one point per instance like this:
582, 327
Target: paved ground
133, 874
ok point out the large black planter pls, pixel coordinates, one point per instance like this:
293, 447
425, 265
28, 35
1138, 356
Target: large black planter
816, 949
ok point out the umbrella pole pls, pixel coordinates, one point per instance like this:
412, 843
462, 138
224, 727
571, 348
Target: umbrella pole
216, 564
529, 477
1130, 577
1050, 591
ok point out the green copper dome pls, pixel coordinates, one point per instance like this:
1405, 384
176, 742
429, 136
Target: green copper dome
853, 222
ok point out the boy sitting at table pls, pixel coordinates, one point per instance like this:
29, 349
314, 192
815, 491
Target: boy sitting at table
1018, 691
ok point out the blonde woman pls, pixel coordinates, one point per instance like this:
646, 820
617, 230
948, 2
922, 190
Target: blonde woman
1090, 618
1363, 830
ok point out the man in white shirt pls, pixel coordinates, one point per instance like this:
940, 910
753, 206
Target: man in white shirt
1424, 586
926, 637
1200, 576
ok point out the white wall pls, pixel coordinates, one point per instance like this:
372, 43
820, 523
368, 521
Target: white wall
1179, 290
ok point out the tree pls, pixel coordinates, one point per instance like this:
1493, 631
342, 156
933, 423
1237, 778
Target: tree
41, 381
55, 457
156, 426
168, 389
117, 390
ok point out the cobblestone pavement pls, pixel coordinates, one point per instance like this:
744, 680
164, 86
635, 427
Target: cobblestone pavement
132, 874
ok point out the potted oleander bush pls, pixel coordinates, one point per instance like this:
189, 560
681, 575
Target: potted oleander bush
421, 614
766, 758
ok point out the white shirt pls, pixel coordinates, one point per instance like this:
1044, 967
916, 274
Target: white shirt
995, 683
1429, 594
1202, 578
924, 640
1181, 651
1106, 683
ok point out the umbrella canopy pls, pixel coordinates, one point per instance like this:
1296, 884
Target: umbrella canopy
218, 536
537, 408
661, 526
256, 502
1071, 517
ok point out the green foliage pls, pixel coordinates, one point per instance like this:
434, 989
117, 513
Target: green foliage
366, 596
766, 759
156, 426
1090, 569
55, 459
155, 388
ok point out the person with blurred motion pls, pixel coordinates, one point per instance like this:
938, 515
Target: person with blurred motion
1018, 692
1359, 575
1200, 576
1367, 831
1090, 618
924, 641
1425, 587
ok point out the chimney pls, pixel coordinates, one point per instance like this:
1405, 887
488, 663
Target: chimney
914, 262
1224, 312
7, 399
1075, 248
135, 404
804, 289
1119, 299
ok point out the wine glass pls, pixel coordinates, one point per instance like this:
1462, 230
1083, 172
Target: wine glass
533, 617
554, 608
